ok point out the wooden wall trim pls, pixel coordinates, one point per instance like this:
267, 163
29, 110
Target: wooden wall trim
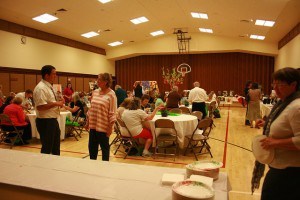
35, 71
34, 33
289, 36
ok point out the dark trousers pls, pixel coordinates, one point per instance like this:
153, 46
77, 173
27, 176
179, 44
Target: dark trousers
281, 184
49, 131
96, 138
26, 130
199, 106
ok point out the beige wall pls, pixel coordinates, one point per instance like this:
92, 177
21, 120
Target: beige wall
36, 53
200, 43
289, 55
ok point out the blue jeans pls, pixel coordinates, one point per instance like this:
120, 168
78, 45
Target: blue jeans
96, 138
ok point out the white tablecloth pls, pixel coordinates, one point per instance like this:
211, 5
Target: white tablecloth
61, 121
184, 125
90, 178
265, 109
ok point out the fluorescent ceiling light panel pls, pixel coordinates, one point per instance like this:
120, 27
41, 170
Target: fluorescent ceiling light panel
113, 44
45, 18
199, 15
90, 34
257, 37
156, 33
260, 22
105, 1
206, 30
139, 20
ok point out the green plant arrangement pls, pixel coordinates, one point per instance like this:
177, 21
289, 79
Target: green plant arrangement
164, 112
172, 77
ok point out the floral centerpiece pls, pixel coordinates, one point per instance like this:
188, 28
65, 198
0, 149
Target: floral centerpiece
172, 77
164, 112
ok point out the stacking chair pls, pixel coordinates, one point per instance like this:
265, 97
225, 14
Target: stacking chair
175, 110
73, 129
167, 138
197, 140
13, 135
185, 110
126, 141
198, 114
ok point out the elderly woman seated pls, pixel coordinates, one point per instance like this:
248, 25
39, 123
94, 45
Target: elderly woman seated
16, 114
75, 106
134, 118
123, 106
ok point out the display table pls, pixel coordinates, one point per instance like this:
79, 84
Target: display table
61, 121
88, 179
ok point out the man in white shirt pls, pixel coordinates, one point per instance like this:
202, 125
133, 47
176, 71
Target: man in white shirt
26, 98
197, 98
47, 110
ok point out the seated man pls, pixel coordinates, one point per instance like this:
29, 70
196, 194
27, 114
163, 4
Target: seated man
26, 99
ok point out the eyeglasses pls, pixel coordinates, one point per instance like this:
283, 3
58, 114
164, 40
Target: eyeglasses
278, 84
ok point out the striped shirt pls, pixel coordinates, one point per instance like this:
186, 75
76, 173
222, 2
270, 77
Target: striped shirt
102, 114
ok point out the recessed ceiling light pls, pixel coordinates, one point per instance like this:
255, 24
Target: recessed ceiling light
199, 15
257, 37
206, 30
45, 18
113, 44
139, 20
156, 33
89, 34
105, 1
260, 22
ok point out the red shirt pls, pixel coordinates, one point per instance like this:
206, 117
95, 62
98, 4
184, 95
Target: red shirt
68, 94
16, 114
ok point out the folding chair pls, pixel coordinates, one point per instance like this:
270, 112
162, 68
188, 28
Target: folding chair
175, 110
185, 110
12, 135
118, 134
198, 114
72, 129
167, 138
127, 141
196, 138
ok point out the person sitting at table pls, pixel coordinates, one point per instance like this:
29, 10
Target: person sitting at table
7, 101
145, 101
68, 92
75, 106
123, 106
16, 114
134, 118
159, 100
26, 99
173, 99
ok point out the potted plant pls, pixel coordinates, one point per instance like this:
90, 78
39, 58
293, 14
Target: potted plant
164, 112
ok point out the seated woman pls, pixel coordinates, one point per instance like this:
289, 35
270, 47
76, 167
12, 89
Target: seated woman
68, 92
15, 112
123, 106
75, 106
134, 118
7, 101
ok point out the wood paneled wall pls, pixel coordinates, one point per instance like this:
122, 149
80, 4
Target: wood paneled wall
18, 80
214, 71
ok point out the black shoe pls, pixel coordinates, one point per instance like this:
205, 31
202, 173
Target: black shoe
247, 123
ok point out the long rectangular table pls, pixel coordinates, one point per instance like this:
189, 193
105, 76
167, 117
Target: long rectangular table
61, 121
54, 176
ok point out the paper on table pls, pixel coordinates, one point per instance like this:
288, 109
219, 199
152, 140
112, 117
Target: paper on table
206, 180
169, 179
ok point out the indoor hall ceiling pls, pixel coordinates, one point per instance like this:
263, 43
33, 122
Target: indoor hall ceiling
230, 18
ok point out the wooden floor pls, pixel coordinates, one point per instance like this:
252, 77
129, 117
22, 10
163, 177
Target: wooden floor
230, 141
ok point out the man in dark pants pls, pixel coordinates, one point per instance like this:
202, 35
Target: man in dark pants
47, 110
197, 97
